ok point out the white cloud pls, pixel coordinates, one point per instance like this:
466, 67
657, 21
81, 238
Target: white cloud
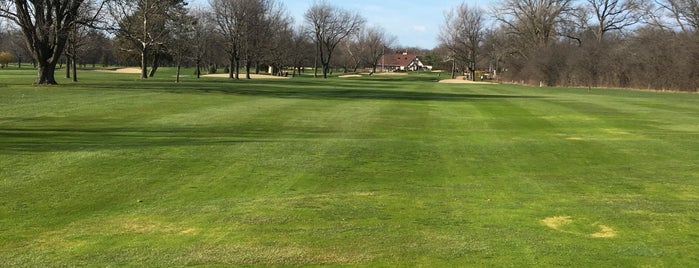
420, 28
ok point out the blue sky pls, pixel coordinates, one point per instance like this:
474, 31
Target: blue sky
414, 22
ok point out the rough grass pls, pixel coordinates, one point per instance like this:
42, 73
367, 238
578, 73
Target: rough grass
372, 171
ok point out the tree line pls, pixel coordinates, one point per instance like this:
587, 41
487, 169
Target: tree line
645, 44
650, 44
232, 35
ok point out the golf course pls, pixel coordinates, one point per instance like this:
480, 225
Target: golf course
362, 171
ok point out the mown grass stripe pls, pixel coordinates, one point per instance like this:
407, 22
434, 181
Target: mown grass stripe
397, 171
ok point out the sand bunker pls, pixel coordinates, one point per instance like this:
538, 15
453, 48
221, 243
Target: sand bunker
242, 76
349, 76
130, 70
389, 73
460, 80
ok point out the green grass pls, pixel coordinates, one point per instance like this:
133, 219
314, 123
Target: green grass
380, 171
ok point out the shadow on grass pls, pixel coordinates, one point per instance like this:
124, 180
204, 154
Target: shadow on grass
316, 89
37, 139
362, 94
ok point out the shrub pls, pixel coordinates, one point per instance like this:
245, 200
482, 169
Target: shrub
5, 58
212, 69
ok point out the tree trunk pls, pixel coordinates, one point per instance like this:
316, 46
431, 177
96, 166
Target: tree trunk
177, 76
237, 68
75, 70
230, 68
67, 66
156, 64
46, 74
315, 67
453, 69
144, 68
198, 71
248, 64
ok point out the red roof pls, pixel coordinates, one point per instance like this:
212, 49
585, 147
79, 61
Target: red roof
397, 59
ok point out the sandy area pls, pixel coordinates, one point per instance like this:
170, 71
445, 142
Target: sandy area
390, 73
350, 75
242, 76
460, 80
130, 70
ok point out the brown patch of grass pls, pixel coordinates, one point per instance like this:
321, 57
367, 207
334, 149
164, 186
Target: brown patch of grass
556, 222
605, 232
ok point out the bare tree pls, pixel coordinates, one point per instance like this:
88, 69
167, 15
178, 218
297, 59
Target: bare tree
351, 54
201, 37
374, 41
302, 51
258, 19
87, 16
45, 25
462, 33
279, 46
245, 26
329, 25
143, 23
614, 15
96, 48
182, 39
532, 21
685, 13
19, 48
226, 16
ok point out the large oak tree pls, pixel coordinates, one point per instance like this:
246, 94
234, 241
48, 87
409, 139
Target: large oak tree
46, 25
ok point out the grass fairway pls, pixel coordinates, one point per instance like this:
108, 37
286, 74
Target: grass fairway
380, 171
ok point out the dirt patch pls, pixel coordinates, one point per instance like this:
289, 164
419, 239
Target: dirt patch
349, 76
242, 76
